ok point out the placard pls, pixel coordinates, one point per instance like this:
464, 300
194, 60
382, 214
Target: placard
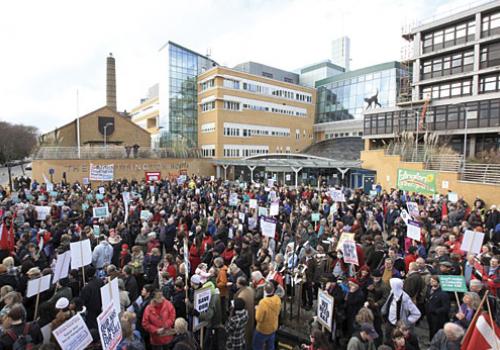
413, 209
450, 283
405, 216
97, 230
201, 303
233, 199
152, 176
413, 230
445, 185
49, 186
100, 212
100, 172
268, 227
350, 253
110, 294
145, 215
345, 236
315, 217
110, 329
453, 197
73, 334
42, 212
419, 181
102, 190
337, 195
252, 203
61, 270
472, 242
85, 181
324, 311
262, 211
275, 208
81, 254
288, 177
270, 183
38, 285
241, 217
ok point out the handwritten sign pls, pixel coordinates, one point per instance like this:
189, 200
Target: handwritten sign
73, 334
81, 253
268, 227
101, 172
324, 312
452, 283
472, 241
110, 329
350, 253
413, 230
201, 303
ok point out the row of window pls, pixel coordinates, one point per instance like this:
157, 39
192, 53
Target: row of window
343, 134
448, 89
208, 153
232, 106
490, 24
245, 152
245, 132
265, 90
292, 95
207, 84
208, 106
231, 131
207, 128
448, 65
450, 36
489, 83
235, 106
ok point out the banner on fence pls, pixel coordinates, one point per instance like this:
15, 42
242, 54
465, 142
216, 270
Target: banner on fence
419, 181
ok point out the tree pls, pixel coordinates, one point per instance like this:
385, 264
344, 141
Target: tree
17, 141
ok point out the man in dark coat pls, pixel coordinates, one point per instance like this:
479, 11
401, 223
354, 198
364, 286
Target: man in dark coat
91, 296
413, 283
438, 306
130, 283
354, 301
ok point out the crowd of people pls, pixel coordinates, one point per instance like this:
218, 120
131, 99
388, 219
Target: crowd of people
165, 241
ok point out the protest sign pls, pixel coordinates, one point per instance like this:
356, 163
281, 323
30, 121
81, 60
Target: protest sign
268, 227
100, 172
270, 182
102, 190
262, 211
241, 217
126, 197
337, 195
345, 236
288, 177
453, 197
152, 176
252, 203
85, 181
50, 187
110, 294
181, 179
73, 334
146, 214
324, 312
275, 208
413, 230
38, 285
315, 217
61, 270
450, 283
405, 216
472, 242
42, 212
97, 230
413, 209
81, 253
233, 199
100, 212
419, 181
110, 329
201, 303
350, 253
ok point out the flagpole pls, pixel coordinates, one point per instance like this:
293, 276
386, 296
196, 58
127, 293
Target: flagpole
491, 323
476, 315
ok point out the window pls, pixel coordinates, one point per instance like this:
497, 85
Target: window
448, 89
267, 75
490, 55
208, 106
207, 84
231, 153
231, 131
232, 106
288, 80
448, 65
490, 24
208, 151
232, 84
489, 83
297, 134
450, 36
207, 128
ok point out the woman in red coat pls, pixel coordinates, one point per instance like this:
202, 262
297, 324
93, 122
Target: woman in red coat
158, 320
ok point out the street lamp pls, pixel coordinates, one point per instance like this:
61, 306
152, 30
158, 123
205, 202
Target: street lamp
105, 127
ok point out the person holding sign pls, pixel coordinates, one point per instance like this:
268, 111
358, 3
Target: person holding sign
471, 302
158, 320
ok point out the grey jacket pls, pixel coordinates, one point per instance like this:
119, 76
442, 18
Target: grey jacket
409, 311
355, 343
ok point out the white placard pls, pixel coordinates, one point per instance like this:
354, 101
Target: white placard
102, 190
126, 197
146, 215
201, 303
100, 212
445, 185
49, 186
252, 203
38, 285
46, 331
110, 329
81, 254
61, 270
344, 237
241, 217
110, 294
73, 334
101, 172
275, 208
405, 216
262, 211
268, 227
413, 230
350, 253
453, 197
270, 182
42, 212
233, 199
413, 209
337, 195
472, 242
288, 177
324, 311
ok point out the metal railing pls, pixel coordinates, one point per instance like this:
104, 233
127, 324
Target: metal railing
445, 162
113, 152
408, 153
481, 173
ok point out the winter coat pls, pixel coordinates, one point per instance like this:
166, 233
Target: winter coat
248, 296
441, 342
437, 306
409, 312
156, 317
267, 314
102, 255
235, 329
91, 296
413, 285
356, 343
213, 316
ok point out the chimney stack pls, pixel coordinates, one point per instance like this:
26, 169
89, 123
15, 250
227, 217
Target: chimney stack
110, 82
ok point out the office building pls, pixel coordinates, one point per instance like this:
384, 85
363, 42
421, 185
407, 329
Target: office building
455, 83
147, 113
242, 114
260, 69
343, 98
178, 110
341, 52
309, 75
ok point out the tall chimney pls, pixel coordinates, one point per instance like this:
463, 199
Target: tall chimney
110, 82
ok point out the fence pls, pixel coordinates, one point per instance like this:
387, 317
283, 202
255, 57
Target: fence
113, 152
445, 162
481, 173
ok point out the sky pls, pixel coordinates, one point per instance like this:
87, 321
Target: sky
54, 51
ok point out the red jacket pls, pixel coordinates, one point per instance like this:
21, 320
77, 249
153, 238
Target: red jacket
156, 317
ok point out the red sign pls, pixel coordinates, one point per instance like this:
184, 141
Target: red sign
153, 176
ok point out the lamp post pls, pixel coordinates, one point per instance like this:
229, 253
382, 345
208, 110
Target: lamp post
105, 128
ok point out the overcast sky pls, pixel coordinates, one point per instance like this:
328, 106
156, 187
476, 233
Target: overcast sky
51, 49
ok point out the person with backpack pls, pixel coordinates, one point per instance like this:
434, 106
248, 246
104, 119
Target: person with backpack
19, 334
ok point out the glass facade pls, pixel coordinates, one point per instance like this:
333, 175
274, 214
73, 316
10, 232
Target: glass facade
342, 97
179, 117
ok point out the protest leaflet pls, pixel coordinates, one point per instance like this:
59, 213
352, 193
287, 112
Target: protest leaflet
268, 227
81, 253
324, 312
350, 253
100, 172
73, 334
110, 329
413, 230
201, 303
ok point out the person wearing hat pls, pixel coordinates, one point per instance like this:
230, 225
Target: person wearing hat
445, 268
124, 256
354, 301
236, 325
63, 313
363, 340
